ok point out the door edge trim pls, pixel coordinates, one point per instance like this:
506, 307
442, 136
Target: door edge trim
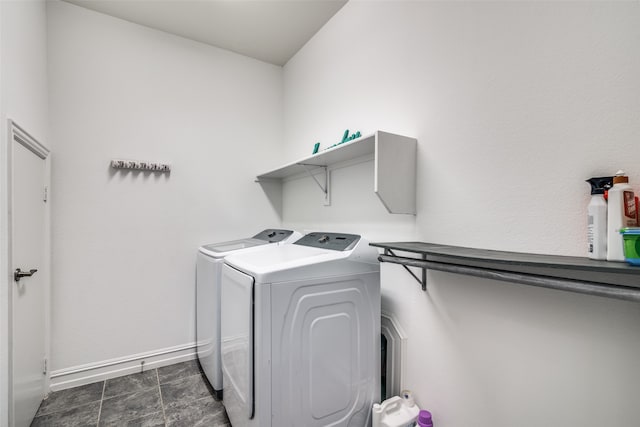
20, 135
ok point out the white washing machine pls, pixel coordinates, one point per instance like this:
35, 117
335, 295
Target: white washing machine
301, 333
208, 272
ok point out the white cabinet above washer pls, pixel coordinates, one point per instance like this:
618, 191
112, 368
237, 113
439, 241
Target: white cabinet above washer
394, 160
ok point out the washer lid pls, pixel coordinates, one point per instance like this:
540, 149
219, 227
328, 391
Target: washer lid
223, 249
265, 237
301, 261
281, 258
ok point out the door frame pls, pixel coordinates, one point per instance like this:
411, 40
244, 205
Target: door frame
17, 133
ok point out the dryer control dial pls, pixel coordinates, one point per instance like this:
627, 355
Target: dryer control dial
334, 241
273, 235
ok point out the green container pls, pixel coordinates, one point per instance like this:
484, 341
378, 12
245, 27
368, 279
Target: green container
631, 236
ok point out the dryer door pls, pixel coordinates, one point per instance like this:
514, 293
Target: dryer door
237, 345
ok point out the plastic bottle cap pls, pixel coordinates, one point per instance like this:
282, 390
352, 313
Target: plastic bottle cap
620, 179
424, 416
408, 397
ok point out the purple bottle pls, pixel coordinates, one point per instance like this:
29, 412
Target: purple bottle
424, 419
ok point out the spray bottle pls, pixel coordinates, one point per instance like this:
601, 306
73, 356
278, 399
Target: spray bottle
597, 217
621, 213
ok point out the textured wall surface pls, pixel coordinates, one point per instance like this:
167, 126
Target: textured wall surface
514, 105
124, 243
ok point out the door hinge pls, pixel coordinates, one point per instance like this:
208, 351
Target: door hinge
46, 191
44, 366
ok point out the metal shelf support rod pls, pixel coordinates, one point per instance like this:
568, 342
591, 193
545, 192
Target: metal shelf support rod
324, 188
579, 286
422, 282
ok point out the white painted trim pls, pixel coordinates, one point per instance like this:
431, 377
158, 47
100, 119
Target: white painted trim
5, 268
8, 285
93, 372
4, 249
396, 353
23, 137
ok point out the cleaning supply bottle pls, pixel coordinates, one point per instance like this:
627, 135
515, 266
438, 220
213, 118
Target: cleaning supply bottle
621, 213
395, 412
424, 419
597, 217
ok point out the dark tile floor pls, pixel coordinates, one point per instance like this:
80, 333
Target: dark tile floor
175, 395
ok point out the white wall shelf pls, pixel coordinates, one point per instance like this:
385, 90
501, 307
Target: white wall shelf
394, 159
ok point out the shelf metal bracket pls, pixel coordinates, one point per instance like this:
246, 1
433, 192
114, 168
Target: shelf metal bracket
628, 293
324, 188
423, 282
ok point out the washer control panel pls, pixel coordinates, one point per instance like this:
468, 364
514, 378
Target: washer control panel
273, 235
334, 241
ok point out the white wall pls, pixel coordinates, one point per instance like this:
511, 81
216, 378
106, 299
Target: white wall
23, 98
514, 105
125, 243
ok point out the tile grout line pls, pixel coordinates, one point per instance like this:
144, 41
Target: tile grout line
164, 416
104, 386
160, 394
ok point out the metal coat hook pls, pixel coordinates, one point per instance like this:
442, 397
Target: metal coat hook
142, 166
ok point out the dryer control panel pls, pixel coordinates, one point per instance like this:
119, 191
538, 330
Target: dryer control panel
273, 236
334, 241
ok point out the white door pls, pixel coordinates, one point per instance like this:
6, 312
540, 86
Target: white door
28, 292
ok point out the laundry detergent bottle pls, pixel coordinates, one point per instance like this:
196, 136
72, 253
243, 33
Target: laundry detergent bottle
396, 411
597, 218
621, 212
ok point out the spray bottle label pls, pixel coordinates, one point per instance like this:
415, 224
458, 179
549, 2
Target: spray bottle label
590, 232
629, 201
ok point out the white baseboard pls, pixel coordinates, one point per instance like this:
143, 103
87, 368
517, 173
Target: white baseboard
93, 372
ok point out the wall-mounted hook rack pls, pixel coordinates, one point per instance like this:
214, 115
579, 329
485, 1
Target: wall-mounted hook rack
140, 165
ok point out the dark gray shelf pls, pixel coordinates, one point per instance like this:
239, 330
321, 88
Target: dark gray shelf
574, 274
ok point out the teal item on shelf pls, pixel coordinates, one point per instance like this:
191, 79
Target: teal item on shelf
631, 242
347, 138
316, 147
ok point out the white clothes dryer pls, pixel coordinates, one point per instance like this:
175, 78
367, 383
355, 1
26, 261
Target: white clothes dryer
300, 335
208, 270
